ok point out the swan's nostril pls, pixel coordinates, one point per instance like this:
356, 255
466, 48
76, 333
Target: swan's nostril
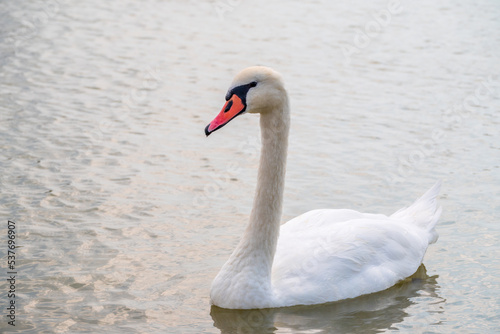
228, 106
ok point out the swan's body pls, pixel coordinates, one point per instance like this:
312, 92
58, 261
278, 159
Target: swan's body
322, 255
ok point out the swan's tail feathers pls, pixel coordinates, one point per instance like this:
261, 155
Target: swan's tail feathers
424, 212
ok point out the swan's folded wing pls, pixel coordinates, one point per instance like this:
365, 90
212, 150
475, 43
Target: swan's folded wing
328, 255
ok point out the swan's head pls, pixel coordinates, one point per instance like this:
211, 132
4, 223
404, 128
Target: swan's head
256, 89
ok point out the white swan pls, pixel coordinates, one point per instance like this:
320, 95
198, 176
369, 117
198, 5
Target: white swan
322, 255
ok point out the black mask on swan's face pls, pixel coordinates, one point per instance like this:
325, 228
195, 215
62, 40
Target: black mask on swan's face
254, 90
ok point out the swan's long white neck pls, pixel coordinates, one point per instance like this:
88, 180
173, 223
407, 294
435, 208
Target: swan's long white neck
247, 273
263, 230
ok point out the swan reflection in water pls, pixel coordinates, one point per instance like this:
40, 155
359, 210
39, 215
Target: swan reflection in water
365, 314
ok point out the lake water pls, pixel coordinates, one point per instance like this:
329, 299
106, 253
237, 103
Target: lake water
125, 212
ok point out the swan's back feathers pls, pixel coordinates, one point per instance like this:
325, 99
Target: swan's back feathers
344, 260
351, 253
424, 212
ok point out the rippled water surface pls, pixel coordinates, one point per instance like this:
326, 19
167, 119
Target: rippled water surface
125, 212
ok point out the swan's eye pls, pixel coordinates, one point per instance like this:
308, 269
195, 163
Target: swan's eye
241, 91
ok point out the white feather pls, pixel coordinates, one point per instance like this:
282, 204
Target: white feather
328, 255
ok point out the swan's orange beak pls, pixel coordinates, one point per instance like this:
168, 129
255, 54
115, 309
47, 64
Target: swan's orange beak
233, 107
